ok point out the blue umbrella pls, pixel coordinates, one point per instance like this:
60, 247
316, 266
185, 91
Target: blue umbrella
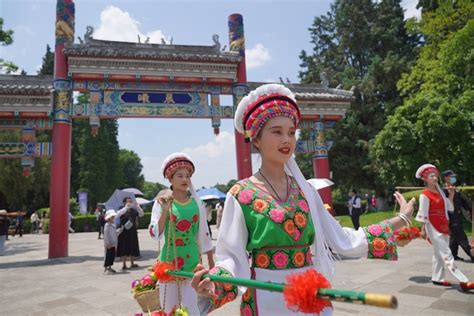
210, 194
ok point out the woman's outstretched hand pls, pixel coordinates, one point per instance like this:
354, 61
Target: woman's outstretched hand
205, 287
405, 207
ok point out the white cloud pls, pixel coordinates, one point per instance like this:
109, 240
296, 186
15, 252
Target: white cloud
118, 25
410, 8
152, 168
215, 162
257, 56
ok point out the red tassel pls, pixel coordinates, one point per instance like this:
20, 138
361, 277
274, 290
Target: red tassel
160, 269
300, 292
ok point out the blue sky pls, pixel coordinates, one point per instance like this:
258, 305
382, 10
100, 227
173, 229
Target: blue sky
275, 32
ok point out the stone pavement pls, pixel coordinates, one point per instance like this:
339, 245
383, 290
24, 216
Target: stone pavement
30, 284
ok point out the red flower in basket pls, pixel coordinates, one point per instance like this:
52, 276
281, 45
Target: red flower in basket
415, 232
183, 225
403, 234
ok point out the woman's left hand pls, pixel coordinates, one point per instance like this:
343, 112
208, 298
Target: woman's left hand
405, 207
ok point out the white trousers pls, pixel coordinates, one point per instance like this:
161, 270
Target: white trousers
443, 258
188, 297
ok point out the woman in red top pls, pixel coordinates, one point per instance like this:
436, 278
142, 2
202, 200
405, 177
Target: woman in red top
433, 213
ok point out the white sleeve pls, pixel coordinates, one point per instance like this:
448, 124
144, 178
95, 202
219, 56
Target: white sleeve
205, 242
422, 215
122, 211
344, 240
231, 245
449, 205
357, 202
140, 211
153, 228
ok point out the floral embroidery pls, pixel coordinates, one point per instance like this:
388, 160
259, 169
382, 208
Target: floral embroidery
289, 227
246, 295
280, 259
296, 235
248, 306
173, 218
300, 220
375, 230
381, 241
236, 188
289, 257
298, 258
246, 310
260, 205
309, 257
179, 242
225, 292
178, 263
183, 225
293, 219
195, 218
277, 215
303, 205
245, 196
262, 260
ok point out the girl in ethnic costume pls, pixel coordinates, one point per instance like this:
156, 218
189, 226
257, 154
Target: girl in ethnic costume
181, 221
433, 213
276, 217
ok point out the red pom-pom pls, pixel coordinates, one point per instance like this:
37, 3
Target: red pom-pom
301, 289
160, 269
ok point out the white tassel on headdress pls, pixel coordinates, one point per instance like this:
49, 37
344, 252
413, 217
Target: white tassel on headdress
323, 259
253, 96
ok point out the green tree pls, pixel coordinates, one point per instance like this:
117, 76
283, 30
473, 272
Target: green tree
366, 45
226, 187
24, 192
433, 125
131, 166
150, 189
99, 168
6, 38
47, 67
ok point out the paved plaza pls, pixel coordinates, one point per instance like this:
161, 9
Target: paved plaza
31, 284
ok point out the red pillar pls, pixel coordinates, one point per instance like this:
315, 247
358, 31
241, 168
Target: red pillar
61, 155
321, 170
237, 43
321, 162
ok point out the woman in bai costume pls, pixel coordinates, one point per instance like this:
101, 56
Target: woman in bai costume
181, 221
276, 217
433, 213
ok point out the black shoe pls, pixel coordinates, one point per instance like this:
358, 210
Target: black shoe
458, 258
